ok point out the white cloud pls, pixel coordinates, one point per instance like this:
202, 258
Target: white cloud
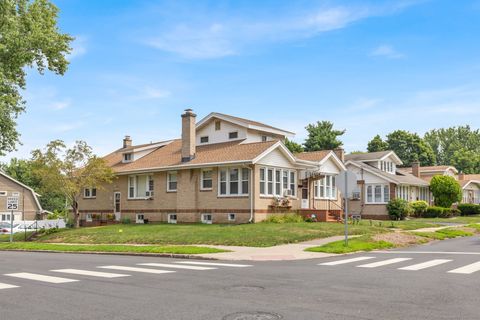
79, 47
60, 105
66, 127
387, 51
216, 37
155, 93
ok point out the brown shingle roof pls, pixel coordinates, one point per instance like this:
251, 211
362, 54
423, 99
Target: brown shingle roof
170, 155
472, 177
313, 156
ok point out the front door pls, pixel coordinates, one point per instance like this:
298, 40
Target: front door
116, 203
305, 204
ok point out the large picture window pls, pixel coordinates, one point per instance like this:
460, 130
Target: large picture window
326, 188
377, 193
234, 181
277, 182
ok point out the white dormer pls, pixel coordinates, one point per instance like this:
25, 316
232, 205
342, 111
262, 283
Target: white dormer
218, 128
132, 153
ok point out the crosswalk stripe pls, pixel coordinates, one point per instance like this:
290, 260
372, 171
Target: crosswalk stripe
334, 263
175, 266
134, 269
215, 264
91, 273
383, 262
7, 286
468, 269
424, 265
40, 277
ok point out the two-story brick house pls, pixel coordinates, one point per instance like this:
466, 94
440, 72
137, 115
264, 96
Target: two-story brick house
223, 169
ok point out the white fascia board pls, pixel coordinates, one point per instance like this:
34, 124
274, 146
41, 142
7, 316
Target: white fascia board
336, 160
276, 145
371, 171
470, 182
392, 154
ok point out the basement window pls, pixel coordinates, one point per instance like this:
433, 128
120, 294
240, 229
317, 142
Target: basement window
231, 217
172, 218
207, 218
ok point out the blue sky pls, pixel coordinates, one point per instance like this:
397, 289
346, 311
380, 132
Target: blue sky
369, 66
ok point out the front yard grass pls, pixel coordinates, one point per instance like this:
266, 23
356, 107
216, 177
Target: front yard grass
444, 234
364, 243
254, 235
187, 250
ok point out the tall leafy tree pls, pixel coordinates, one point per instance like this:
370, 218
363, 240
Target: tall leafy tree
410, 147
322, 136
377, 144
466, 161
293, 146
29, 38
449, 144
71, 170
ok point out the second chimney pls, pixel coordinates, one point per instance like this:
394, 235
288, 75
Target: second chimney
340, 153
461, 176
127, 142
416, 169
188, 135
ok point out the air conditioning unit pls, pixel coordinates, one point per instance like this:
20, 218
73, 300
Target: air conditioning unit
356, 195
287, 192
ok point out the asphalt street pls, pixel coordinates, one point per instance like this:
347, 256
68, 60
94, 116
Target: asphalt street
435, 281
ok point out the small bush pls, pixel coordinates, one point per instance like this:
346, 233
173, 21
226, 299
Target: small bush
51, 230
126, 220
69, 223
439, 212
467, 209
398, 209
284, 218
419, 208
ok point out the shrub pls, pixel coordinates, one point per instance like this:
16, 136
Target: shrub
398, 209
419, 208
126, 220
467, 209
284, 218
439, 212
445, 190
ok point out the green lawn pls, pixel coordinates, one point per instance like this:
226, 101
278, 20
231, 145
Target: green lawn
107, 248
364, 243
444, 234
255, 235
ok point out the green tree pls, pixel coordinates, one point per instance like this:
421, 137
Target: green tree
466, 161
377, 144
410, 147
322, 136
71, 170
446, 142
29, 38
293, 146
446, 191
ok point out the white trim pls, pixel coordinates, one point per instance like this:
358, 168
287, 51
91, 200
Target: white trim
149, 177
391, 153
34, 194
206, 215
275, 182
469, 182
382, 193
168, 181
285, 150
202, 179
170, 219
370, 171
336, 158
239, 181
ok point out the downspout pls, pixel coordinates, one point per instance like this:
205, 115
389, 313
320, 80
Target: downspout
252, 184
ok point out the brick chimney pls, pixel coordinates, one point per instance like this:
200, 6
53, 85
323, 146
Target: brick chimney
127, 142
188, 135
416, 169
461, 176
340, 152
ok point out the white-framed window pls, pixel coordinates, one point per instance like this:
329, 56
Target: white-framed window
233, 135
90, 193
172, 218
139, 218
277, 182
88, 217
326, 188
128, 157
204, 139
3, 193
233, 181
206, 181
6, 217
377, 193
140, 186
206, 218
172, 181
231, 217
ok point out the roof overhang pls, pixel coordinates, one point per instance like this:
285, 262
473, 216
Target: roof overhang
470, 182
358, 165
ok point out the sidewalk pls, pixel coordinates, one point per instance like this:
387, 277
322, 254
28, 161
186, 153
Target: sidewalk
294, 251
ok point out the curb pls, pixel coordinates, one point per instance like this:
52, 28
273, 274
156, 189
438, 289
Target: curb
140, 254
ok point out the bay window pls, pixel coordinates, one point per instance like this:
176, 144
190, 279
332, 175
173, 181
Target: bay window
276, 182
326, 188
234, 181
140, 186
377, 193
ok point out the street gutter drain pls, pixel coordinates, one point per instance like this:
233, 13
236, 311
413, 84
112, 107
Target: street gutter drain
244, 288
258, 315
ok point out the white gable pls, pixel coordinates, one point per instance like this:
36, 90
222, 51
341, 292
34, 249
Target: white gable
330, 167
222, 135
365, 175
276, 158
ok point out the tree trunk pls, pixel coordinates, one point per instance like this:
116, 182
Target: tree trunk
76, 214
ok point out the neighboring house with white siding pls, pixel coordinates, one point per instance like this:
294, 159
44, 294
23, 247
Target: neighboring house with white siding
223, 169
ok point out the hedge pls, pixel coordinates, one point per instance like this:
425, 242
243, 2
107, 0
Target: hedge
468, 209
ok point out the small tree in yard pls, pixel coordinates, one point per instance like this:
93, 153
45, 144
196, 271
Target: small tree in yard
70, 170
445, 190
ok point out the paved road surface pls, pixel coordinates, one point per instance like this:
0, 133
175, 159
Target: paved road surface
437, 281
